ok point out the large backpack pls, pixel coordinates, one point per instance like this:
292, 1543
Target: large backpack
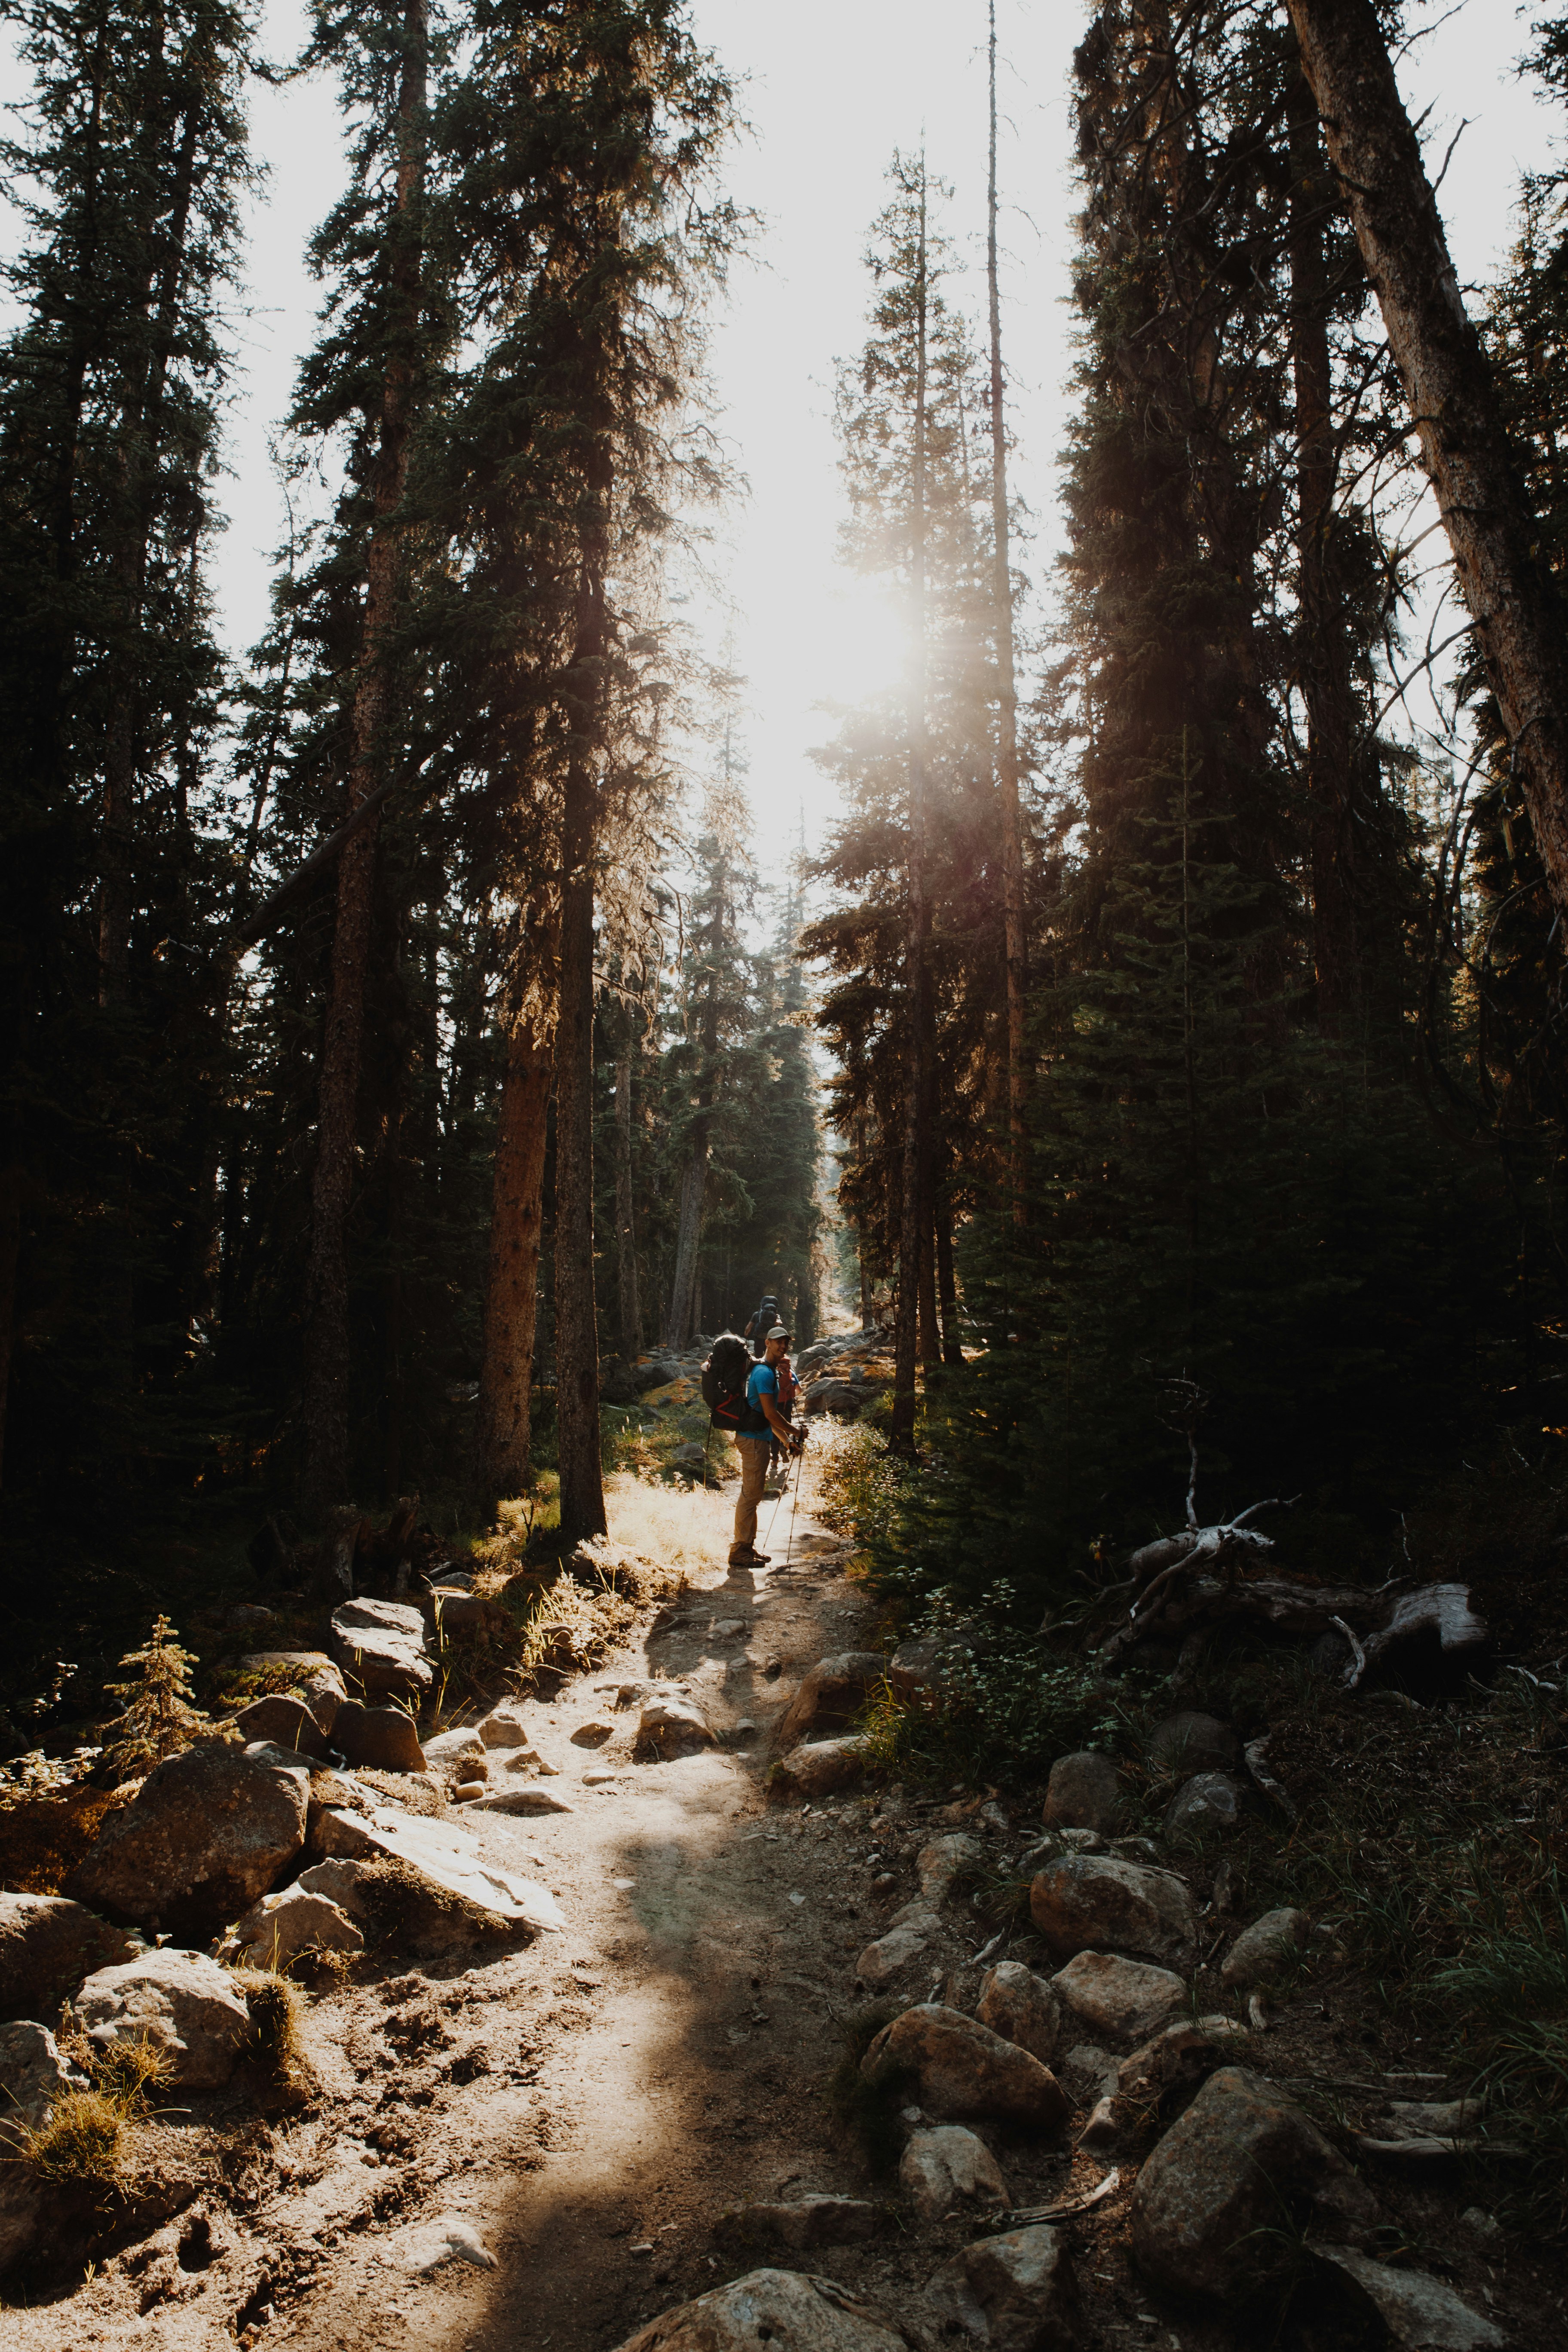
724, 1378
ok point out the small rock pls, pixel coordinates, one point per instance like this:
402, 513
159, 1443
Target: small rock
949, 2166
1209, 1801
1417, 2310
182, 2001
280, 1926
1175, 2061
1134, 1849
459, 1752
381, 1739
527, 1799
207, 1833
457, 1611
1022, 2007
1127, 2000
467, 1792
1479, 2223
945, 1861
669, 1726
966, 2071
47, 1945
380, 1644
423, 2246
1188, 1742
905, 1951
831, 1696
810, 2221
285, 1722
1213, 2205
816, 1770
592, 1735
1015, 2293
1265, 1950
1085, 1793
246, 1615
506, 1725
1091, 2068
789, 2310
1091, 1903
33, 2077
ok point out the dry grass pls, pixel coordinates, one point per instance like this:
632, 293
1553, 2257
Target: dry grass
687, 1533
84, 2139
274, 2006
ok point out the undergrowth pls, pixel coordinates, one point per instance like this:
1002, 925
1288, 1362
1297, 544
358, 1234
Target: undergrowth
85, 2136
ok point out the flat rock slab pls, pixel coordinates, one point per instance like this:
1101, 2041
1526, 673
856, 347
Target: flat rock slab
966, 2072
1092, 1903
182, 2002
787, 2311
949, 2167
33, 2075
1419, 2312
1016, 2292
806, 2222
447, 1857
207, 1834
47, 1944
1022, 2007
1127, 2001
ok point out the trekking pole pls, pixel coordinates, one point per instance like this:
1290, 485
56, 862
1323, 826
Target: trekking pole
799, 1467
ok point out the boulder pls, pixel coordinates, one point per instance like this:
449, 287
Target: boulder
1215, 2205
276, 1931
1265, 1950
810, 2221
1189, 1742
1022, 2007
316, 1680
1434, 1639
47, 1945
1085, 1793
207, 1833
380, 1646
832, 1695
33, 2077
815, 1771
789, 2310
182, 2002
382, 1738
439, 1852
1091, 1902
670, 1725
913, 1950
461, 1611
1015, 2293
1127, 2001
947, 2167
966, 2071
842, 1398
1208, 1803
1173, 2063
1415, 2311
945, 1862
281, 1721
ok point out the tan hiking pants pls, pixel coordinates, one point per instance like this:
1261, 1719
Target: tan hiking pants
754, 1453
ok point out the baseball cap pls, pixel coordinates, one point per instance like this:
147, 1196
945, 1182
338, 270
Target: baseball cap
779, 1331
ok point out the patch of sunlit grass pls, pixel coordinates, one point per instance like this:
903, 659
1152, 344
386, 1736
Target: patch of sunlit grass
687, 1532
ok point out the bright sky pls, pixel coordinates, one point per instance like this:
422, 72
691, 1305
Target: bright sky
831, 87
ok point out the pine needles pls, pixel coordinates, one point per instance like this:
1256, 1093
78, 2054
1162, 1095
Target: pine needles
159, 1718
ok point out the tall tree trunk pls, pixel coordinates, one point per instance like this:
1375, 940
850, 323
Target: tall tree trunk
1325, 668
1454, 404
517, 1217
1006, 689
683, 1288
327, 1335
625, 1223
576, 1315
914, 1225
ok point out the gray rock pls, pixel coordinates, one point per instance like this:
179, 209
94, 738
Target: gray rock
1092, 1903
528, 1797
459, 1755
276, 1931
592, 1734
1090, 2068
1085, 1793
966, 2072
1213, 2205
21, 2211
47, 1945
1207, 1803
945, 1862
33, 2077
950, 2166
207, 1833
509, 1724
439, 1852
844, 1398
810, 2221
1022, 2007
381, 1739
1174, 2062
380, 1646
1125, 1999
672, 1726
1188, 1742
282, 1722
1265, 1950
816, 1769
789, 2310
913, 1949
182, 2002
831, 1696
1015, 2293
1419, 2313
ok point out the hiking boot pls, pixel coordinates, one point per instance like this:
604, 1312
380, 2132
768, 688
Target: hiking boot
749, 1557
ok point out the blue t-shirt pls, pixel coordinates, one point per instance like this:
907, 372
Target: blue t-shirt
763, 1381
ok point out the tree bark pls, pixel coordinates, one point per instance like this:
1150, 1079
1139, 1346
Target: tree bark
327, 1332
1007, 692
682, 1290
576, 1315
512, 1299
1465, 446
626, 1222
947, 1282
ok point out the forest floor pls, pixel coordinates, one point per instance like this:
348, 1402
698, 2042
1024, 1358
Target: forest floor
533, 2146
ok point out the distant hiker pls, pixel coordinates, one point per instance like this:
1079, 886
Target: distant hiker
762, 1323
760, 1424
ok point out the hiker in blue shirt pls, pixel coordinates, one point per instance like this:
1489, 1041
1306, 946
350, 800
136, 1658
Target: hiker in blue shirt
760, 1424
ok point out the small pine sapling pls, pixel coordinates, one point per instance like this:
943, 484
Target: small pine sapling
159, 1717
